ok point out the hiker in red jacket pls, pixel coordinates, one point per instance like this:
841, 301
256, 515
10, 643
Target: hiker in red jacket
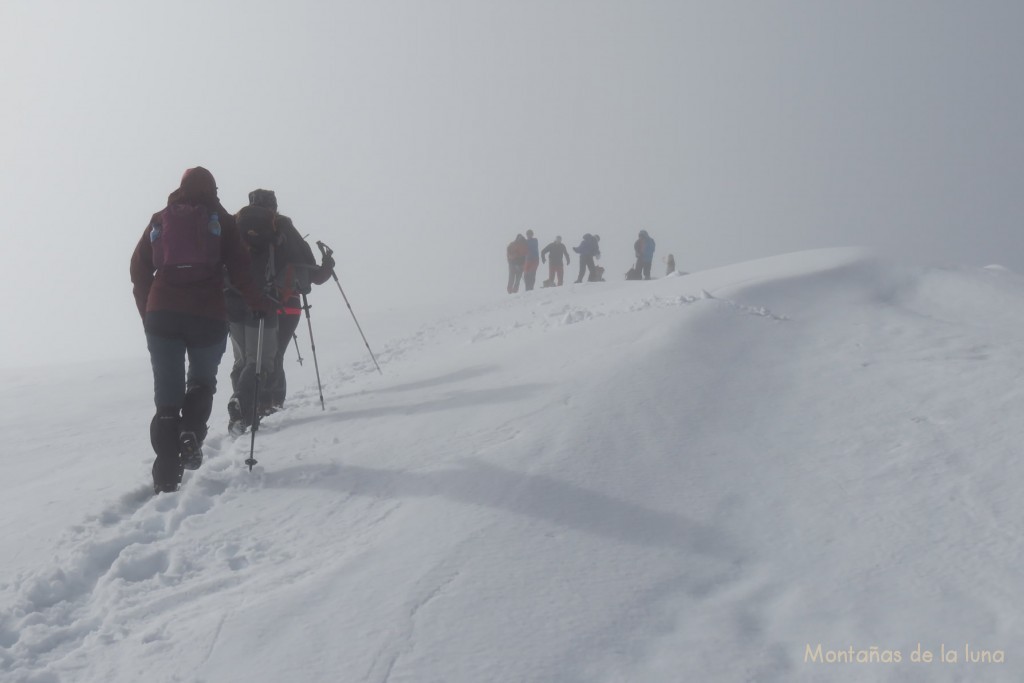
516, 252
177, 271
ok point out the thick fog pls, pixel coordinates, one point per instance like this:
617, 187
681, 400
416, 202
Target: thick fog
417, 138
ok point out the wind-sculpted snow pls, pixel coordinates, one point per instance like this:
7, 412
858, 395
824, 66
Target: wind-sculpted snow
702, 477
552, 309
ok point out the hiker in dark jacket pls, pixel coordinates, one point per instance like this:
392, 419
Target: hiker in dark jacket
305, 273
554, 254
644, 249
180, 298
589, 250
532, 261
271, 270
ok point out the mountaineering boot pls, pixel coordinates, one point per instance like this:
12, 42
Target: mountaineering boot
163, 434
191, 451
194, 414
166, 477
236, 421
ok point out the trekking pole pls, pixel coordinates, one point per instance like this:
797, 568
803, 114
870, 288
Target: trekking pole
256, 396
327, 251
312, 345
297, 352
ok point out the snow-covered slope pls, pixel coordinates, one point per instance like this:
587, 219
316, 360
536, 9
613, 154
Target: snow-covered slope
698, 478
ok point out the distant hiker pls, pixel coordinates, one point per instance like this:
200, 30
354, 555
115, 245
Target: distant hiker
272, 269
554, 253
177, 272
305, 273
517, 252
589, 249
644, 248
532, 260
670, 265
597, 274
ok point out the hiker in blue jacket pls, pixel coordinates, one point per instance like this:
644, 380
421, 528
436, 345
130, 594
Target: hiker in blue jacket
644, 248
589, 250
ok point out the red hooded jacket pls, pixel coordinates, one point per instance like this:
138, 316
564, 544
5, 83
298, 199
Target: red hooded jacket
206, 297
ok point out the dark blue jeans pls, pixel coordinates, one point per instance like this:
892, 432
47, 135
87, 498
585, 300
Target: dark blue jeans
170, 338
184, 398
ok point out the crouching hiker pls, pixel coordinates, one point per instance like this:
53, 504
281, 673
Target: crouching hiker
177, 271
589, 251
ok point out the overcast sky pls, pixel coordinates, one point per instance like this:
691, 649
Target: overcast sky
418, 137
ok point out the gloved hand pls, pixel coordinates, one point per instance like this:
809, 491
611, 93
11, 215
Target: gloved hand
266, 307
328, 262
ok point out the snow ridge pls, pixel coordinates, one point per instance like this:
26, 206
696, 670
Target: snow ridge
692, 478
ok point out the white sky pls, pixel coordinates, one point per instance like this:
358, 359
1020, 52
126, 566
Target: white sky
418, 137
